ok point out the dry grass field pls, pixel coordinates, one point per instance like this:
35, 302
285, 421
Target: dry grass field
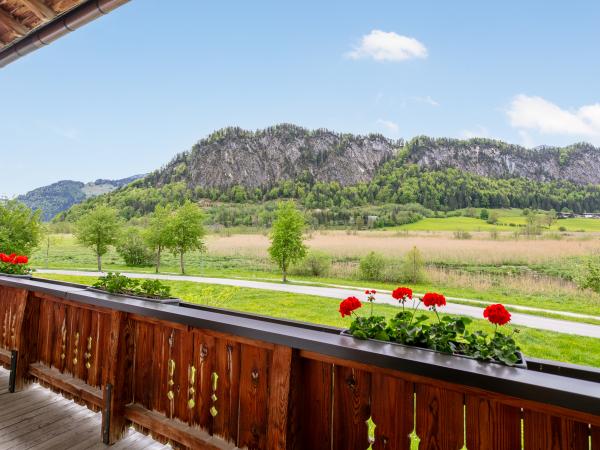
435, 247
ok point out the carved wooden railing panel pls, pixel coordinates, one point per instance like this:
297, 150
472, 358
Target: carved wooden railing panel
173, 372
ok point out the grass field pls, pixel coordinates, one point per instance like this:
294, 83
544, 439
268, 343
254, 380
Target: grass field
508, 220
524, 272
537, 343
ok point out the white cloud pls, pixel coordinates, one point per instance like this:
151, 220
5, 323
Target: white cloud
390, 126
538, 114
388, 46
427, 99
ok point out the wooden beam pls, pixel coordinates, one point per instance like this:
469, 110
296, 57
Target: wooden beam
175, 430
39, 8
11, 23
66, 383
117, 365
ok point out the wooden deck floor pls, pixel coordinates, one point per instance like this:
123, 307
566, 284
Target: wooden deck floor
38, 419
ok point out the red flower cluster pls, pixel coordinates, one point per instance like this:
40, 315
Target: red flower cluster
349, 305
432, 299
13, 258
402, 294
497, 314
370, 292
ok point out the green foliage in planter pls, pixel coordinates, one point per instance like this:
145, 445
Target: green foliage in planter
372, 327
448, 335
115, 283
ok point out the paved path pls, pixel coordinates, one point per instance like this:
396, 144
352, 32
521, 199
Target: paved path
542, 323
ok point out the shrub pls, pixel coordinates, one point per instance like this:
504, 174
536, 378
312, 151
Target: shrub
133, 249
372, 267
562, 229
316, 264
493, 218
413, 266
460, 234
591, 279
484, 214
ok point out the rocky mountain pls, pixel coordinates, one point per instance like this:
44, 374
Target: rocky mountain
578, 163
60, 196
258, 159
252, 159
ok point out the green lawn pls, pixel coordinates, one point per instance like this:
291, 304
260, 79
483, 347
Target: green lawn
537, 343
506, 217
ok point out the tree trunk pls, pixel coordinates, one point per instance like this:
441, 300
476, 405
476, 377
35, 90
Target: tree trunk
99, 263
284, 272
181, 263
158, 260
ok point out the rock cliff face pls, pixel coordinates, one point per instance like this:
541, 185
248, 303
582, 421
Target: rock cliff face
578, 163
284, 152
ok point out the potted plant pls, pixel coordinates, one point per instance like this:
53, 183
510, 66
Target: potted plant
15, 265
149, 290
445, 334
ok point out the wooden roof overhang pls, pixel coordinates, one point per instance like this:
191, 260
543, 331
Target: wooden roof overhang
26, 25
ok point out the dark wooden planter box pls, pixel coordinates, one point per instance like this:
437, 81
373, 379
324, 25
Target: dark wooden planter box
520, 364
163, 301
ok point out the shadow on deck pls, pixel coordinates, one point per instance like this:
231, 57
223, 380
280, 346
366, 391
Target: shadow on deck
37, 418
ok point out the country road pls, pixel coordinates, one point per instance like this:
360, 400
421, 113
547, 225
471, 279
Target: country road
542, 323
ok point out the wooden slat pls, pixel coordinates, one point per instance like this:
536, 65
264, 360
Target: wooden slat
505, 399
492, 425
66, 383
544, 431
175, 430
392, 411
5, 357
205, 363
440, 417
39, 8
228, 368
13, 24
254, 388
352, 391
279, 397
595, 438
312, 397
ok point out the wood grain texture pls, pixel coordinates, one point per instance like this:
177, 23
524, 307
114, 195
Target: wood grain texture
205, 363
26, 332
119, 363
254, 388
595, 438
392, 411
279, 398
546, 432
351, 408
492, 425
440, 418
312, 394
228, 368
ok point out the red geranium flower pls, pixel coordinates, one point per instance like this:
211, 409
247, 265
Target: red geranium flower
432, 299
21, 259
402, 294
4, 258
349, 305
497, 314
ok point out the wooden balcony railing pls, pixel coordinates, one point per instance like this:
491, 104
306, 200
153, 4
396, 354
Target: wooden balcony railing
207, 378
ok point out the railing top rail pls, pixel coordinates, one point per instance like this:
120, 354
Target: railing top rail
570, 392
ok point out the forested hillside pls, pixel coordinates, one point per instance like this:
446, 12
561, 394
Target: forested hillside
343, 179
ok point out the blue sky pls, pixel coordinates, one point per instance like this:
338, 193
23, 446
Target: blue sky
125, 93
